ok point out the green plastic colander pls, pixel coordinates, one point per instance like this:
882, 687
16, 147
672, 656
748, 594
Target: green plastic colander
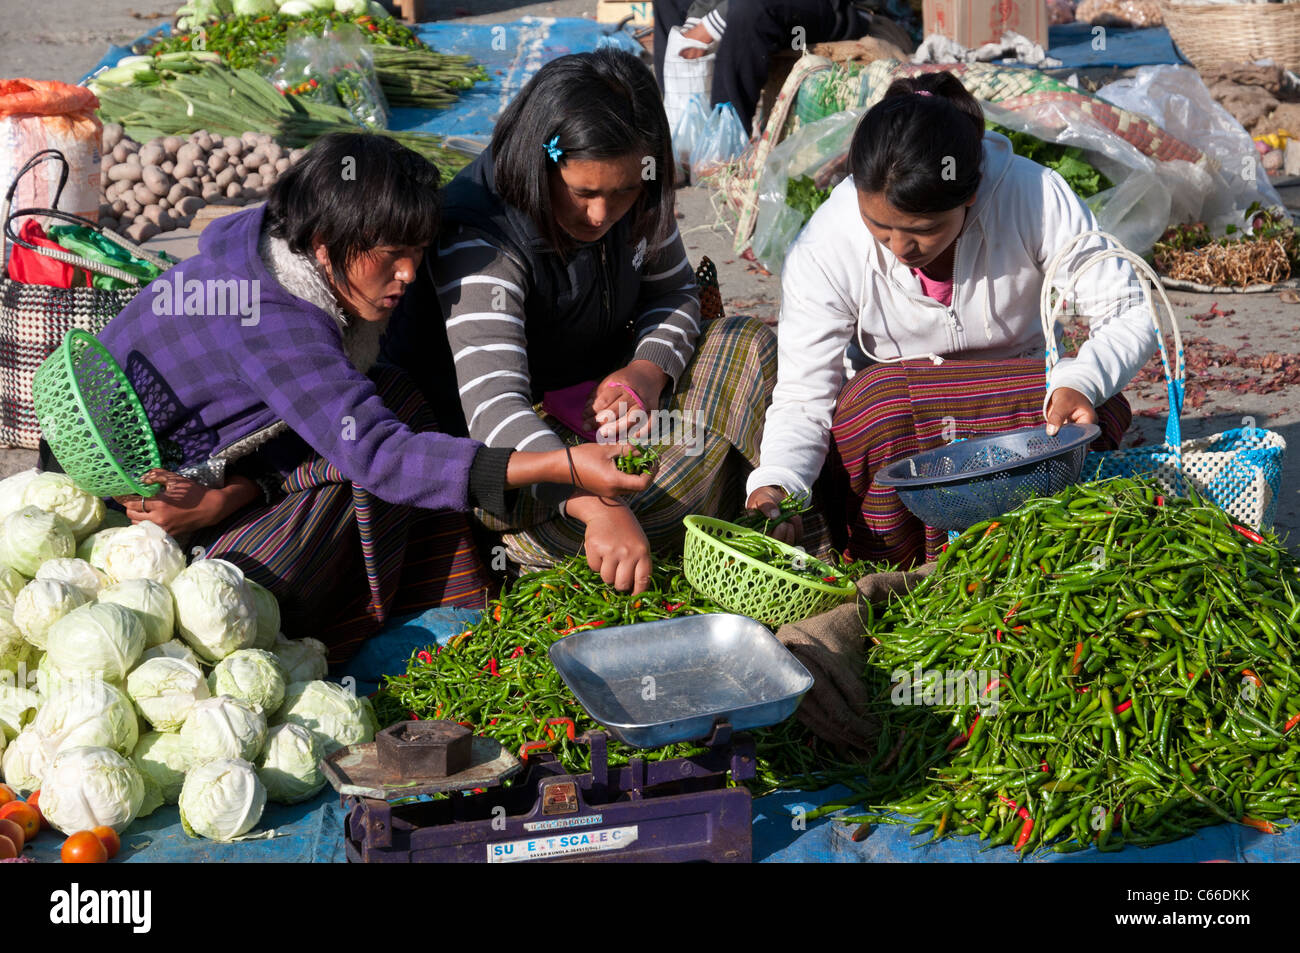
749, 586
93, 420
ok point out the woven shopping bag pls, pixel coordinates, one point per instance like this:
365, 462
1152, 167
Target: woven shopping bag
35, 318
1238, 470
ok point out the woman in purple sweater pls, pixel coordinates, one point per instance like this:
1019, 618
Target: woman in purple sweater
287, 450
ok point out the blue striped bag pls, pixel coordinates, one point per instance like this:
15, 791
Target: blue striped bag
1239, 470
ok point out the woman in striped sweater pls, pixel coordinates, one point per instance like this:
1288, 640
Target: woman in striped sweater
563, 282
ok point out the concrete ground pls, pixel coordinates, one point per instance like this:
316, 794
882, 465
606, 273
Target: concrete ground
1243, 349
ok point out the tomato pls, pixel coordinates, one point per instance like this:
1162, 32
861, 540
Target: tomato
12, 831
84, 847
7, 849
7, 794
108, 837
24, 816
33, 801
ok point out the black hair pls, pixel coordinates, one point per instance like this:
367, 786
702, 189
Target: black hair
922, 145
355, 192
600, 105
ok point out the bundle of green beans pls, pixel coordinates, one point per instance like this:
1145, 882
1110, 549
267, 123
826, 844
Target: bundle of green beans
1141, 678
424, 78
496, 676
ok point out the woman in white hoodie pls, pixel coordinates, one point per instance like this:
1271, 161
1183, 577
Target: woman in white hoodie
918, 283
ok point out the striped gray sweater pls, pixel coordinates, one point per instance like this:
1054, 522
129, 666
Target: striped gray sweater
482, 290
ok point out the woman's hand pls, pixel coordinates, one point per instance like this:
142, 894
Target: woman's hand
183, 506
617, 547
767, 500
611, 404
594, 463
1068, 406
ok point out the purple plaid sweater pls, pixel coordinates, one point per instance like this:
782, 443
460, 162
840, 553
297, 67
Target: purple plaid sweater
215, 363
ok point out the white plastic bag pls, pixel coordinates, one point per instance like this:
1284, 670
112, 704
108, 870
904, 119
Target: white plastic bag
723, 141
687, 131
684, 78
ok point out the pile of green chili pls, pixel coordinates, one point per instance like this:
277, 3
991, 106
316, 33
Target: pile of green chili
1141, 652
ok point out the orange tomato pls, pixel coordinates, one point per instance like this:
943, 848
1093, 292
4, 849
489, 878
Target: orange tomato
7, 849
108, 837
7, 794
24, 816
12, 831
84, 847
34, 802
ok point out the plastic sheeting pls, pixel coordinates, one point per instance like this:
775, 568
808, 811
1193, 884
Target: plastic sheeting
1080, 46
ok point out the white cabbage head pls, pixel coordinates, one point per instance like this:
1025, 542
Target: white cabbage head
250, 675
89, 787
174, 648
31, 536
151, 602
165, 690
224, 727
15, 650
336, 716
58, 493
304, 660
94, 547
268, 615
76, 573
215, 611
42, 603
222, 799
87, 711
11, 583
163, 758
11, 491
98, 639
24, 761
142, 551
18, 706
290, 766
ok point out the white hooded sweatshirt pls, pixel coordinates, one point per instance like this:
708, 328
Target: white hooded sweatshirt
845, 298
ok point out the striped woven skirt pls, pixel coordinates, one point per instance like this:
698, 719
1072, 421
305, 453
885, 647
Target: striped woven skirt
890, 412
340, 561
720, 399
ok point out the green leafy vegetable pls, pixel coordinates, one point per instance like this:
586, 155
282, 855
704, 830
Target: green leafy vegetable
803, 196
1067, 161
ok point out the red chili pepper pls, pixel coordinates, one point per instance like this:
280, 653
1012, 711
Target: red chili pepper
1292, 722
673, 606
1160, 501
492, 722
492, 667
1020, 811
1253, 677
830, 578
1084, 690
1259, 824
1078, 653
1250, 534
992, 526
964, 737
1010, 612
992, 685
519, 650
999, 634
1024, 833
496, 613
1120, 709
412, 716
425, 657
1042, 766
596, 623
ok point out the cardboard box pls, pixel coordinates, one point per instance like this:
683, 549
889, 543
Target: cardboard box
973, 23
613, 11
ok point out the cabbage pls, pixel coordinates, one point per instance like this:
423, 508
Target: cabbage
74, 572
165, 690
174, 649
289, 767
95, 546
224, 727
11, 491
15, 650
353, 8
11, 583
222, 799
215, 611
42, 603
87, 711
297, 8
152, 604
142, 551
163, 759
334, 715
268, 615
91, 787
24, 762
254, 7
18, 705
303, 659
58, 493
252, 676
31, 536
98, 639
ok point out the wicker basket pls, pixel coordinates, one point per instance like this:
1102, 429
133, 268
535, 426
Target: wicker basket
1216, 34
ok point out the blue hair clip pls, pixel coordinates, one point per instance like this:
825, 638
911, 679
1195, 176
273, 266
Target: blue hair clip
553, 149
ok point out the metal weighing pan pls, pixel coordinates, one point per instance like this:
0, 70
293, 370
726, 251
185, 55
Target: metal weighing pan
660, 683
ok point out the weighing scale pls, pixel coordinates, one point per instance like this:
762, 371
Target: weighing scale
703, 678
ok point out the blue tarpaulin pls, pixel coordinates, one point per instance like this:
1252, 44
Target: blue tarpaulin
1079, 46
313, 832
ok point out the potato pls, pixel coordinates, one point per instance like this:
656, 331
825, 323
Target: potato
164, 203
133, 158
191, 186
203, 139
133, 207
113, 133
211, 191
106, 161
158, 216
234, 191
253, 159
118, 206
296, 154
266, 171
104, 209
141, 231
143, 194
119, 152
252, 182
125, 172
272, 151
168, 166
183, 169
172, 144
187, 206
251, 138
190, 152
152, 154
225, 177
129, 144
201, 170
157, 181
217, 161
233, 145
282, 165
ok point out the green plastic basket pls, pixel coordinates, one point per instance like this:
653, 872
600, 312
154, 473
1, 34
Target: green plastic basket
749, 586
92, 419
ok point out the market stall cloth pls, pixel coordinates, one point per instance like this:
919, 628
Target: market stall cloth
510, 52
1076, 46
312, 832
